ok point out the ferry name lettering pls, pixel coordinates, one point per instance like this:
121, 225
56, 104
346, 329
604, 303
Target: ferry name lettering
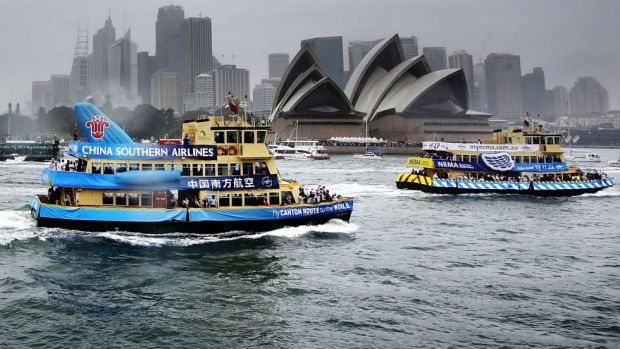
205, 152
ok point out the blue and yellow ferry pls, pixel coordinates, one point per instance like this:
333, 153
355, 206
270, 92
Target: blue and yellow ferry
515, 161
219, 178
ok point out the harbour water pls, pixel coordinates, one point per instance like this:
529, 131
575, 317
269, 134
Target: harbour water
410, 270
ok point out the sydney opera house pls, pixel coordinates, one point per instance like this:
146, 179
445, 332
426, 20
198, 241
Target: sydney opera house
396, 99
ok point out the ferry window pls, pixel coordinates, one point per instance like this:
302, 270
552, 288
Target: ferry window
224, 200
160, 167
174, 167
541, 159
248, 168
536, 140
237, 200
222, 169
108, 168
197, 170
250, 200
274, 198
261, 168
528, 140
526, 159
459, 158
549, 158
260, 136
533, 159
134, 199
210, 170
232, 137
288, 198
121, 199
146, 199
235, 169
95, 167
147, 167
518, 159
121, 167
557, 140
108, 199
185, 170
134, 167
248, 136
466, 158
219, 136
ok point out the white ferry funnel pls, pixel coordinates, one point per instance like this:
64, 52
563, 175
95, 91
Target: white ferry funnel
97, 126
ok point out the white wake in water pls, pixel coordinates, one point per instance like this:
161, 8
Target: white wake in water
15, 225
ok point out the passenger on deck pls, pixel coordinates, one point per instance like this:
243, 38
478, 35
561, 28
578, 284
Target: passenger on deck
211, 202
186, 139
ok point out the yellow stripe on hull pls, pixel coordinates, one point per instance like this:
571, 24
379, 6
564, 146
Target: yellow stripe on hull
414, 178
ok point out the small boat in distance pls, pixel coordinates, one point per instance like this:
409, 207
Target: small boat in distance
615, 163
576, 156
371, 154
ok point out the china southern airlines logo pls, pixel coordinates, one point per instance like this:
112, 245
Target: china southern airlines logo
97, 125
498, 162
267, 182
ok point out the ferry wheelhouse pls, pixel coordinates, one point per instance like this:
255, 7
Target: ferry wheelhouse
514, 161
220, 179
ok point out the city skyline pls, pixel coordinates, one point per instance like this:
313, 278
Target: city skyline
566, 53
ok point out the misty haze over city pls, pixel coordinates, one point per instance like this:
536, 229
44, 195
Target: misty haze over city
568, 39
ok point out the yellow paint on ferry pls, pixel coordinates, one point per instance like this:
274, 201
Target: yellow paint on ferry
414, 178
413, 161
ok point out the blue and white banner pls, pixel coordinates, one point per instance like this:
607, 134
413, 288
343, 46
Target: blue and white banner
541, 167
110, 181
459, 165
501, 164
130, 151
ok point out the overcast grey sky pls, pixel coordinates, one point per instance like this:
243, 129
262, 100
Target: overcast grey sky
568, 38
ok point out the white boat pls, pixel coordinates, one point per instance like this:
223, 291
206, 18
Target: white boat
583, 157
17, 158
614, 163
284, 152
370, 154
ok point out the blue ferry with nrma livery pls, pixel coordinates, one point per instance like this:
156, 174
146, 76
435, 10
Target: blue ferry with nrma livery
515, 161
218, 178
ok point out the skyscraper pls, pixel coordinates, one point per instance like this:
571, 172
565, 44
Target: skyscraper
410, 46
123, 67
204, 91
197, 52
164, 89
278, 62
102, 40
60, 90
503, 80
588, 96
357, 51
41, 95
436, 57
329, 50
561, 102
146, 67
535, 100
480, 89
262, 99
168, 36
231, 79
463, 60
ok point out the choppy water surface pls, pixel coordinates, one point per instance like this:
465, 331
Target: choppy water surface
410, 270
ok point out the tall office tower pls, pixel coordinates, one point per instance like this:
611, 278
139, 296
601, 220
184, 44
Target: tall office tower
503, 77
60, 90
204, 91
436, 57
330, 53
168, 37
197, 52
102, 40
480, 89
588, 96
262, 99
79, 81
231, 79
462, 59
410, 46
278, 62
123, 67
41, 95
535, 97
164, 89
357, 50
146, 67
561, 102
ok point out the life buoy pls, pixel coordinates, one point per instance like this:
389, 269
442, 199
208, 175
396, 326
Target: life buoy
232, 150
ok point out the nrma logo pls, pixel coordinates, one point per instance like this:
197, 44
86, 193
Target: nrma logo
97, 125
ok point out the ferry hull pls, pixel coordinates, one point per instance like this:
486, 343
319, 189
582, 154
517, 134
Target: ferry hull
535, 189
198, 221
